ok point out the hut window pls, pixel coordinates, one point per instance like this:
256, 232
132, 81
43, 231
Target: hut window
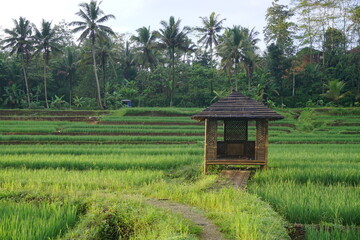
235, 130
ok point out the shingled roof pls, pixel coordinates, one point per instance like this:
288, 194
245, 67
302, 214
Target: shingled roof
237, 105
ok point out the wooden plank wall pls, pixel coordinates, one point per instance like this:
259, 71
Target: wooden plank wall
262, 141
210, 141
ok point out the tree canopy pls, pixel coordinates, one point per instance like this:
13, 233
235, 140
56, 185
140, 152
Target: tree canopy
312, 55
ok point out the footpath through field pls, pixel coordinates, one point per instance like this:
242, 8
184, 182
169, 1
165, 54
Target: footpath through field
238, 177
209, 230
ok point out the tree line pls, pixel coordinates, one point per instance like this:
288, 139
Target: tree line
312, 57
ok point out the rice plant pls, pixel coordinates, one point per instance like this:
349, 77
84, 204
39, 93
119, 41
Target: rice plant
109, 161
98, 139
23, 220
147, 119
312, 183
332, 232
61, 182
113, 218
306, 183
239, 214
103, 149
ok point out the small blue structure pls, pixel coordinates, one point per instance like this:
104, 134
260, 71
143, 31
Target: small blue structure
126, 103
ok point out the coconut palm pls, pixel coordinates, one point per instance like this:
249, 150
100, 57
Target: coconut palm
91, 28
106, 53
231, 50
145, 45
127, 57
250, 64
173, 38
19, 39
46, 42
188, 49
68, 67
237, 49
210, 31
335, 89
250, 58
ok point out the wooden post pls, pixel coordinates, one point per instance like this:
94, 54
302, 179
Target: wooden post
266, 141
262, 141
210, 151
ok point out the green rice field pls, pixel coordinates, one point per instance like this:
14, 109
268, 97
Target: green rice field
88, 175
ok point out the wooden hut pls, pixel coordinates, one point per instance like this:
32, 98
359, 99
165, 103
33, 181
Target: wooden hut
235, 111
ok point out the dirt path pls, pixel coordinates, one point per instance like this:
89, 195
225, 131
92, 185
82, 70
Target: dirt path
237, 177
210, 231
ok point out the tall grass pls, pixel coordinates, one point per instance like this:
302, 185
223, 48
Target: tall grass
109, 161
278, 134
311, 203
147, 119
239, 214
148, 149
51, 112
313, 155
27, 129
323, 174
132, 130
137, 126
315, 138
156, 111
29, 221
112, 218
98, 139
335, 232
306, 183
275, 137
312, 183
59, 182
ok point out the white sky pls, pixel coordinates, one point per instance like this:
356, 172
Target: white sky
133, 14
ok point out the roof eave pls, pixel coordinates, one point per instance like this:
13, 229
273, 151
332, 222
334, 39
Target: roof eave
252, 118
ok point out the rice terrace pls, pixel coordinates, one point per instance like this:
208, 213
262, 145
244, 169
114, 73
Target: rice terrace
180, 120
94, 174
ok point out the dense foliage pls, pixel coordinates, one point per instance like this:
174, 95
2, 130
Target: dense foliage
312, 58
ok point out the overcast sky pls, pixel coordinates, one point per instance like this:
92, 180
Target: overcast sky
133, 14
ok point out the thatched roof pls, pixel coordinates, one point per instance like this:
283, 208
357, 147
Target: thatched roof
237, 105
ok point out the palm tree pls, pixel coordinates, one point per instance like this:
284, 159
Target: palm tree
210, 35
91, 28
127, 61
237, 48
145, 45
46, 42
250, 64
173, 38
250, 57
20, 42
68, 67
106, 53
210, 31
230, 49
335, 89
189, 48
